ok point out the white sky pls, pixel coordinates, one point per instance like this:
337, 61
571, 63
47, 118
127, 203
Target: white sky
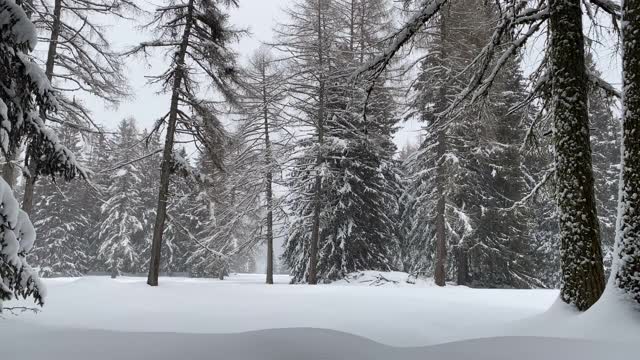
259, 17
146, 105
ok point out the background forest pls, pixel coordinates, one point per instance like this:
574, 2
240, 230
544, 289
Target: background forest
290, 148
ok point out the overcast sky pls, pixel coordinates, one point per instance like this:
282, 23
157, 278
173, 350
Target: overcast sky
259, 17
146, 105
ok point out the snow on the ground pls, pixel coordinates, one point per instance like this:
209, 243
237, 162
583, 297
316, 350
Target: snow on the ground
241, 318
399, 316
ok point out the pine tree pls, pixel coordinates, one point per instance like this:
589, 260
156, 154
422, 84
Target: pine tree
625, 275
263, 126
122, 211
196, 35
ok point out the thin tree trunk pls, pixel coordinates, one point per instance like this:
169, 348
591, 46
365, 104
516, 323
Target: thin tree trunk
315, 233
30, 181
581, 255
441, 232
167, 155
626, 266
114, 271
269, 163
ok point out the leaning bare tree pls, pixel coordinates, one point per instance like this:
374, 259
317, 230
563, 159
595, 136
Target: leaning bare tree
79, 59
196, 36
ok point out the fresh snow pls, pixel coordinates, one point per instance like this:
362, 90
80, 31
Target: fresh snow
369, 316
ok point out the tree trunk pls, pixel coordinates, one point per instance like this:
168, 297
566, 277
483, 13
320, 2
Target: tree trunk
315, 233
8, 170
462, 268
30, 181
626, 266
167, 155
269, 175
440, 273
114, 271
581, 255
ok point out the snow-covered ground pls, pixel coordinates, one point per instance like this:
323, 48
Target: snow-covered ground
372, 316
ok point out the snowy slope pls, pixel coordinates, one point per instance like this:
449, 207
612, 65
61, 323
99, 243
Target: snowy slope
240, 318
289, 344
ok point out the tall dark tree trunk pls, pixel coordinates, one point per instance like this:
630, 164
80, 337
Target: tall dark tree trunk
440, 273
626, 266
312, 277
114, 270
167, 155
30, 181
462, 267
8, 170
269, 164
581, 255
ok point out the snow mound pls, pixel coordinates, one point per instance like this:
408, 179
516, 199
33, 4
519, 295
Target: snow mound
383, 278
610, 319
284, 344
